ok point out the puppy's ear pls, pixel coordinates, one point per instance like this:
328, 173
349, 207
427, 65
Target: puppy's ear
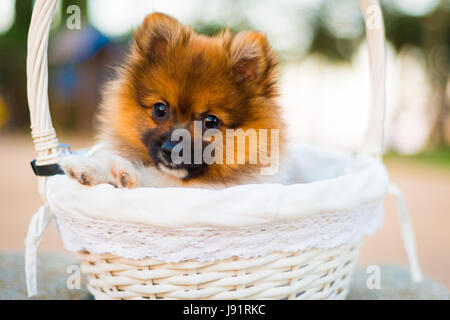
157, 34
251, 57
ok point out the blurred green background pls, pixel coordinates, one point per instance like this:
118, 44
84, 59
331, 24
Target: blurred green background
315, 39
325, 92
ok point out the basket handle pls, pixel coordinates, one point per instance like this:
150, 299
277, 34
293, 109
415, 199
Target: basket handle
42, 131
373, 140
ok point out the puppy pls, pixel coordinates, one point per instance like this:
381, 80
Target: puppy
175, 81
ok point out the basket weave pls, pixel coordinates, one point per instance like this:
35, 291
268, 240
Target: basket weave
310, 274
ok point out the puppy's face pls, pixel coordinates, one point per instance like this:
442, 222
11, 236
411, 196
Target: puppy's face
175, 79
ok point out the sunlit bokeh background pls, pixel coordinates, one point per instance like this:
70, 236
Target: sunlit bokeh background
324, 83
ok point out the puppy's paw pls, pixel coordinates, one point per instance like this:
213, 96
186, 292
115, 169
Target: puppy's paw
87, 170
123, 173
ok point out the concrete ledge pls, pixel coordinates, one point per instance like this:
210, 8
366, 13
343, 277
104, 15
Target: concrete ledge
395, 281
395, 284
51, 280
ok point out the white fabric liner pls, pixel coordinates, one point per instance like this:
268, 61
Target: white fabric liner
137, 241
339, 202
334, 181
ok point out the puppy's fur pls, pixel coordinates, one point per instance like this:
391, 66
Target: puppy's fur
232, 77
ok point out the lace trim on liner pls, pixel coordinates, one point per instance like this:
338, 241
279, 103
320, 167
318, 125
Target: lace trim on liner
135, 241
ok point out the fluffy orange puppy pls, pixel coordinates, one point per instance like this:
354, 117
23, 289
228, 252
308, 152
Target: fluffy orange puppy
221, 91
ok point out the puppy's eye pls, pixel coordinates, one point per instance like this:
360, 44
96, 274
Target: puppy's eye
160, 110
211, 122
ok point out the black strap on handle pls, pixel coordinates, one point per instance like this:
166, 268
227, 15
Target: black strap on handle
46, 170
51, 169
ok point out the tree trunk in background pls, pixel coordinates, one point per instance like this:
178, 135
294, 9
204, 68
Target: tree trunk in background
437, 51
13, 52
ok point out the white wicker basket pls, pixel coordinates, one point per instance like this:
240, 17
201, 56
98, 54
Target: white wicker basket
312, 274
287, 271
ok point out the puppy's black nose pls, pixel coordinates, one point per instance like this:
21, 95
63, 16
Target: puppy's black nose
167, 148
